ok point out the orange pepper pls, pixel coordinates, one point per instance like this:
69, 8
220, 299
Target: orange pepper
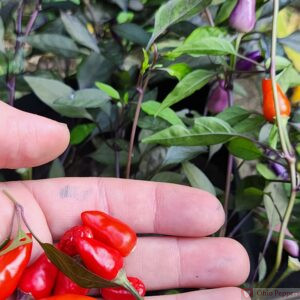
269, 111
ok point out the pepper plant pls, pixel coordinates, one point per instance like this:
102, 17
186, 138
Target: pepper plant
161, 90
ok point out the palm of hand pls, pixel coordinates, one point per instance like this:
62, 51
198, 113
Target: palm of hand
183, 259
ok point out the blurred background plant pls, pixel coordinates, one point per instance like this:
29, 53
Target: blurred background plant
168, 91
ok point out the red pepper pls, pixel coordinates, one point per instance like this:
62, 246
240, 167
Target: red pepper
64, 285
12, 265
119, 293
39, 278
69, 297
100, 258
67, 241
110, 231
268, 101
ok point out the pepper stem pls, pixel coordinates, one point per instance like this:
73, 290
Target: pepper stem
20, 214
124, 282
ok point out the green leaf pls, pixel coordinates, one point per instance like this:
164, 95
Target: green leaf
2, 29
276, 204
288, 78
49, 90
267, 9
75, 271
57, 169
209, 45
106, 155
292, 41
248, 198
170, 177
179, 154
265, 172
197, 178
109, 90
151, 107
153, 124
264, 133
94, 68
262, 268
125, 16
204, 32
145, 65
187, 86
123, 4
173, 12
133, 33
55, 43
281, 63
21, 239
206, 131
80, 132
244, 149
225, 11
79, 32
86, 98
250, 125
179, 70
273, 137
233, 115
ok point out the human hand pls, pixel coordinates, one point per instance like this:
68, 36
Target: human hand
184, 259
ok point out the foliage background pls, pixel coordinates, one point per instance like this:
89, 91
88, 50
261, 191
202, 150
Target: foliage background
76, 46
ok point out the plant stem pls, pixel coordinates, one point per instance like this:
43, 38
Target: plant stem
240, 224
141, 91
11, 79
141, 88
250, 60
266, 246
20, 213
283, 276
229, 87
33, 17
287, 150
209, 17
227, 193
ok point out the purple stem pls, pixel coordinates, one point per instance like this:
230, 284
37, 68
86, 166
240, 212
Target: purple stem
228, 173
267, 242
11, 80
240, 224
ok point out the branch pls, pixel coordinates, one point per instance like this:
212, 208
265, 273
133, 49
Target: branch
209, 17
141, 88
287, 150
11, 80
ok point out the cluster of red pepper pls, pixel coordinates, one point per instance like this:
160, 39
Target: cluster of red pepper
100, 244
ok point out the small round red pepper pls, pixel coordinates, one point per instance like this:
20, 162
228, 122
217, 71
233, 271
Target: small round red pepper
69, 297
268, 101
39, 278
12, 265
67, 241
100, 258
64, 285
120, 293
110, 231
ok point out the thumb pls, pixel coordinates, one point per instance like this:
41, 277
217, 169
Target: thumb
29, 140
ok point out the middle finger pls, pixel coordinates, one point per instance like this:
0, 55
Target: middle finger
168, 262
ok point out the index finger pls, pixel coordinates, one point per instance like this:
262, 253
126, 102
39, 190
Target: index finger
147, 207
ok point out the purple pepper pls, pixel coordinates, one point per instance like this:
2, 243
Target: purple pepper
280, 170
217, 98
245, 65
243, 17
291, 247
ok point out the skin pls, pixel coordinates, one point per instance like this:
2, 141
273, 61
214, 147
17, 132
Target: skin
184, 259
